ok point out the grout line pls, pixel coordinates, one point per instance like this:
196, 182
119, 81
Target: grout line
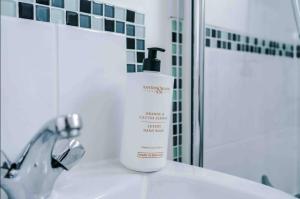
57, 70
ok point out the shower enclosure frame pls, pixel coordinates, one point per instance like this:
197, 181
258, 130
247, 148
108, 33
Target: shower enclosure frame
197, 82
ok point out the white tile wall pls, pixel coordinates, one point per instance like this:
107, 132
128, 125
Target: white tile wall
49, 69
91, 78
28, 81
252, 101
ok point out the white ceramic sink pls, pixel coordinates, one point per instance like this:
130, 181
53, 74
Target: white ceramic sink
110, 180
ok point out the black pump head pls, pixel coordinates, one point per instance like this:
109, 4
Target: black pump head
152, 63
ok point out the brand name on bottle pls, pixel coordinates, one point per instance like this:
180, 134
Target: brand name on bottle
156, 89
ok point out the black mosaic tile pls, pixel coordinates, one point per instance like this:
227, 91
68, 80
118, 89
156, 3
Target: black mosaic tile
213, 33
218, 44
174, 60
130, 43
180, 38
85, 6
175, 83
174, 129
180, 83
44, 2
180, 140
25, 10
174, 105
174, 118
180, 129
174, 37
109, 25
180, 105
180, 117
175, 140
71, 18
130, 16
207, 42
140, 57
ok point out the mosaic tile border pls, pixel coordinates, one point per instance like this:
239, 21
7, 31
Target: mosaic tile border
87, 14
176, 60
217, 38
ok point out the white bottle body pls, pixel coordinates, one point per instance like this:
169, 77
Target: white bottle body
146, 121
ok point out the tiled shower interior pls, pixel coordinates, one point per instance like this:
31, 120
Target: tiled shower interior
128, 23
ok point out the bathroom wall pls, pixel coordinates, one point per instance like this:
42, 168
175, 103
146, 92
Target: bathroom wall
252, 92
61, 69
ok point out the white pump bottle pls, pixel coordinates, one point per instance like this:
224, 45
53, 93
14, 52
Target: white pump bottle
147, 117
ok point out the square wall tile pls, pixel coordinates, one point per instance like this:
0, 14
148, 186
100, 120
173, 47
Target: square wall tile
140, 44
109, 11
174, 25
58, 3
109, 25
85, 21
130, 68
120, 13
57, 16
97, 23
140, 57
42, 13
120, 27
130, 57
97, 8
130, 30
139, 68
130, 16
99, 100
8, 8
71, 18
139, 18
25, 10
140, 32
72, 5
28, 83
85, 6
130, 43
44, 2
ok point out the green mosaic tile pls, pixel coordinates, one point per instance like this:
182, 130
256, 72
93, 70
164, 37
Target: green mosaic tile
174, 95
174, 49
174, 25
180, 72
180, 49
174, 71
175, 152
180, 95
180, 26
180, 151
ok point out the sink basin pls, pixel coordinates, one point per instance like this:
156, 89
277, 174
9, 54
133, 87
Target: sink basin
110, 180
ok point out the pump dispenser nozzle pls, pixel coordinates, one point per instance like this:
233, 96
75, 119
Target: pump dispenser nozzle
152, 63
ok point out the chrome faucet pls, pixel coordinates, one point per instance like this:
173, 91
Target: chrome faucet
34, 173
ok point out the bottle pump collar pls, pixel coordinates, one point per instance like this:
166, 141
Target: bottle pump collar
152, 63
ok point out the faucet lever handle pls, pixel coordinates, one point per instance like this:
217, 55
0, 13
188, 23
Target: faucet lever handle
5, 162
71, 154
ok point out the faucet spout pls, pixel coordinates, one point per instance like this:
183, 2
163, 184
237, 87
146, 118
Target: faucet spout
34, 174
